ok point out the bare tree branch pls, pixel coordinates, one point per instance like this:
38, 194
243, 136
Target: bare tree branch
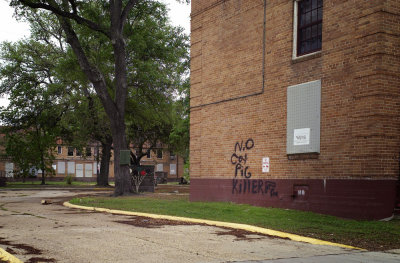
90, 71
74, 15
126, 11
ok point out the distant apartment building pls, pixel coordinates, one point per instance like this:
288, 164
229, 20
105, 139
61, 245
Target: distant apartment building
296, 104
84, 165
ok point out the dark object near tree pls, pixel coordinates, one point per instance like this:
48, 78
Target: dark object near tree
183, 181
161, 177
3, 181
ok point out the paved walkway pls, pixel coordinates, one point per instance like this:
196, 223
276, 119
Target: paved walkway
53, 233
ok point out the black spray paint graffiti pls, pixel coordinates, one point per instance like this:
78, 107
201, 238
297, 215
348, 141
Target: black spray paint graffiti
254, 187
239, 158
242, 186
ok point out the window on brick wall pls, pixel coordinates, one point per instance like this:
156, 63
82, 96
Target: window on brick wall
159, 153
88, 151
70, 151
59, 149
307, 29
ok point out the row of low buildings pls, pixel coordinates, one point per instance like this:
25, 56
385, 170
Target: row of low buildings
85, 165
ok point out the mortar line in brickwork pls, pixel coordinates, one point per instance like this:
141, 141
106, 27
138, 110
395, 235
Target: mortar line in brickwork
263, 67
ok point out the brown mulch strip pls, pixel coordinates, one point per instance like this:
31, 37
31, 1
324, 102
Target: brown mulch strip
29, 250
40, 260
10, 250
243, 234
146, 222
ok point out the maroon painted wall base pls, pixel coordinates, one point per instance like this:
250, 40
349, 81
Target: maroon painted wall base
358, 199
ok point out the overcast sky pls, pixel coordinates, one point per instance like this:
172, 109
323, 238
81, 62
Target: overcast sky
11, 30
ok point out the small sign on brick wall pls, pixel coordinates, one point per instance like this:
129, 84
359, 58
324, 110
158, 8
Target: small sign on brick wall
301, 136
265, 164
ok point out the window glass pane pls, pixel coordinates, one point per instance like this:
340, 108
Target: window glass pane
88, 151
309, 26
308, 17
308, 32
302, 20
303, 35
314, 43
159, 154
314, 15
306, 5
314, 31
70, 151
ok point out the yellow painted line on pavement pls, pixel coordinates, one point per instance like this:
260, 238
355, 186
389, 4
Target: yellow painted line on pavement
245, 227
7, 257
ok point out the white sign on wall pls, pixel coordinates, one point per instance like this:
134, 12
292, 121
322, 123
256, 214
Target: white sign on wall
265, 165
172, 168
301, 136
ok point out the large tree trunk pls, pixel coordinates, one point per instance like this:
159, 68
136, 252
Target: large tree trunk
102, 177
123, 184
43, 172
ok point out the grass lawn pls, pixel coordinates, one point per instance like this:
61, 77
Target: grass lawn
371, 235
37, 184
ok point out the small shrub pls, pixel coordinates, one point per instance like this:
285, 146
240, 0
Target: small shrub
68, 179
186, 174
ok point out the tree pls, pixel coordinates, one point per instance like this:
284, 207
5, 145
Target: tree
179, 136
36, 105
107, 21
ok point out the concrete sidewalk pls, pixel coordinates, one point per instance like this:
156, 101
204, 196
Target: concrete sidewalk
392, 256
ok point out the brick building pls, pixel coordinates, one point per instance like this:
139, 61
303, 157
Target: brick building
295, 104
83, 166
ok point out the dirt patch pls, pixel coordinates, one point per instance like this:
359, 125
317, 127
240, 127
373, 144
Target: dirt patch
147, 222
40, 260
10, 250
28, 250
244, 235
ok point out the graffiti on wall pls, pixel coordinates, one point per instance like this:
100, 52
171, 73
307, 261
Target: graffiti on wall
239, 158
263, 187
243, 184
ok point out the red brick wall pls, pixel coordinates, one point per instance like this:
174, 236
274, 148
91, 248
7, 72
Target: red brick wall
359, 67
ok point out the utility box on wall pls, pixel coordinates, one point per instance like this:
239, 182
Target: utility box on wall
303, 118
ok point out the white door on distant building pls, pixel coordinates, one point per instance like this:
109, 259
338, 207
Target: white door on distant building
88, 170
79, 170
61, 167
71, 168
9, 169
172, 169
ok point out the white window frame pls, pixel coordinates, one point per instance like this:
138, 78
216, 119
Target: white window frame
59, 149
295, 23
